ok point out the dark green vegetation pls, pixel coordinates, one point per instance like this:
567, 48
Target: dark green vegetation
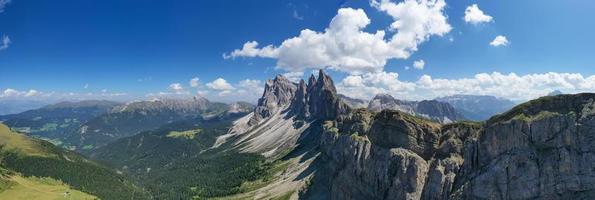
4, 183
33, 157
183, 167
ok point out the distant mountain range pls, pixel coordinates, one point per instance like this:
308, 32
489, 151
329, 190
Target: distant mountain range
353, 102
466, 107
58, 122
17, 106
85, 125
476, 107
444, 109
430, 109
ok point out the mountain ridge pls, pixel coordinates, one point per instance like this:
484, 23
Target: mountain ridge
431, 109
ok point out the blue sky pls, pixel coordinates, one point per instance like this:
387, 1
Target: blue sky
138, 49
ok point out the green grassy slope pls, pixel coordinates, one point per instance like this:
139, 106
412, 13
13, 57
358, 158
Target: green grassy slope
34, 157
15, 186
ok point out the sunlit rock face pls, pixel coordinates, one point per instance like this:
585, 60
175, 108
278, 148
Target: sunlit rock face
539, 150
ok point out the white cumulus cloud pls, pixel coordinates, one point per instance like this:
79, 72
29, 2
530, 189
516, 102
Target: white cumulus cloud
369, 84
499, 41
194, 82
419, 64
5, 42
344, 46
249, 89
32, 93
476, 16
9, 92
294, 76
177, 88
220, 84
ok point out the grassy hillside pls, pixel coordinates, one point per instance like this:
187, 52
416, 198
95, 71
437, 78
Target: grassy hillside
15, 186
34, 157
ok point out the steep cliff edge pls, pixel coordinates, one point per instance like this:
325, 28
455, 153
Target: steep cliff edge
542, 149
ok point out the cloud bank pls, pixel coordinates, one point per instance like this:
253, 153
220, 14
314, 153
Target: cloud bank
511, 86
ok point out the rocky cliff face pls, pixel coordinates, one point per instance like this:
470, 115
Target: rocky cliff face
543, 149
430, 109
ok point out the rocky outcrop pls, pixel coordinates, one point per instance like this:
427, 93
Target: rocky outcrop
363, 170
429, 109
543, 149
394, 129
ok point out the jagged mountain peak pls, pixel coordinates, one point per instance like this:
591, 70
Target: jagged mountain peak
317, 99
278, 94
312, 80
323, 81
284, 114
